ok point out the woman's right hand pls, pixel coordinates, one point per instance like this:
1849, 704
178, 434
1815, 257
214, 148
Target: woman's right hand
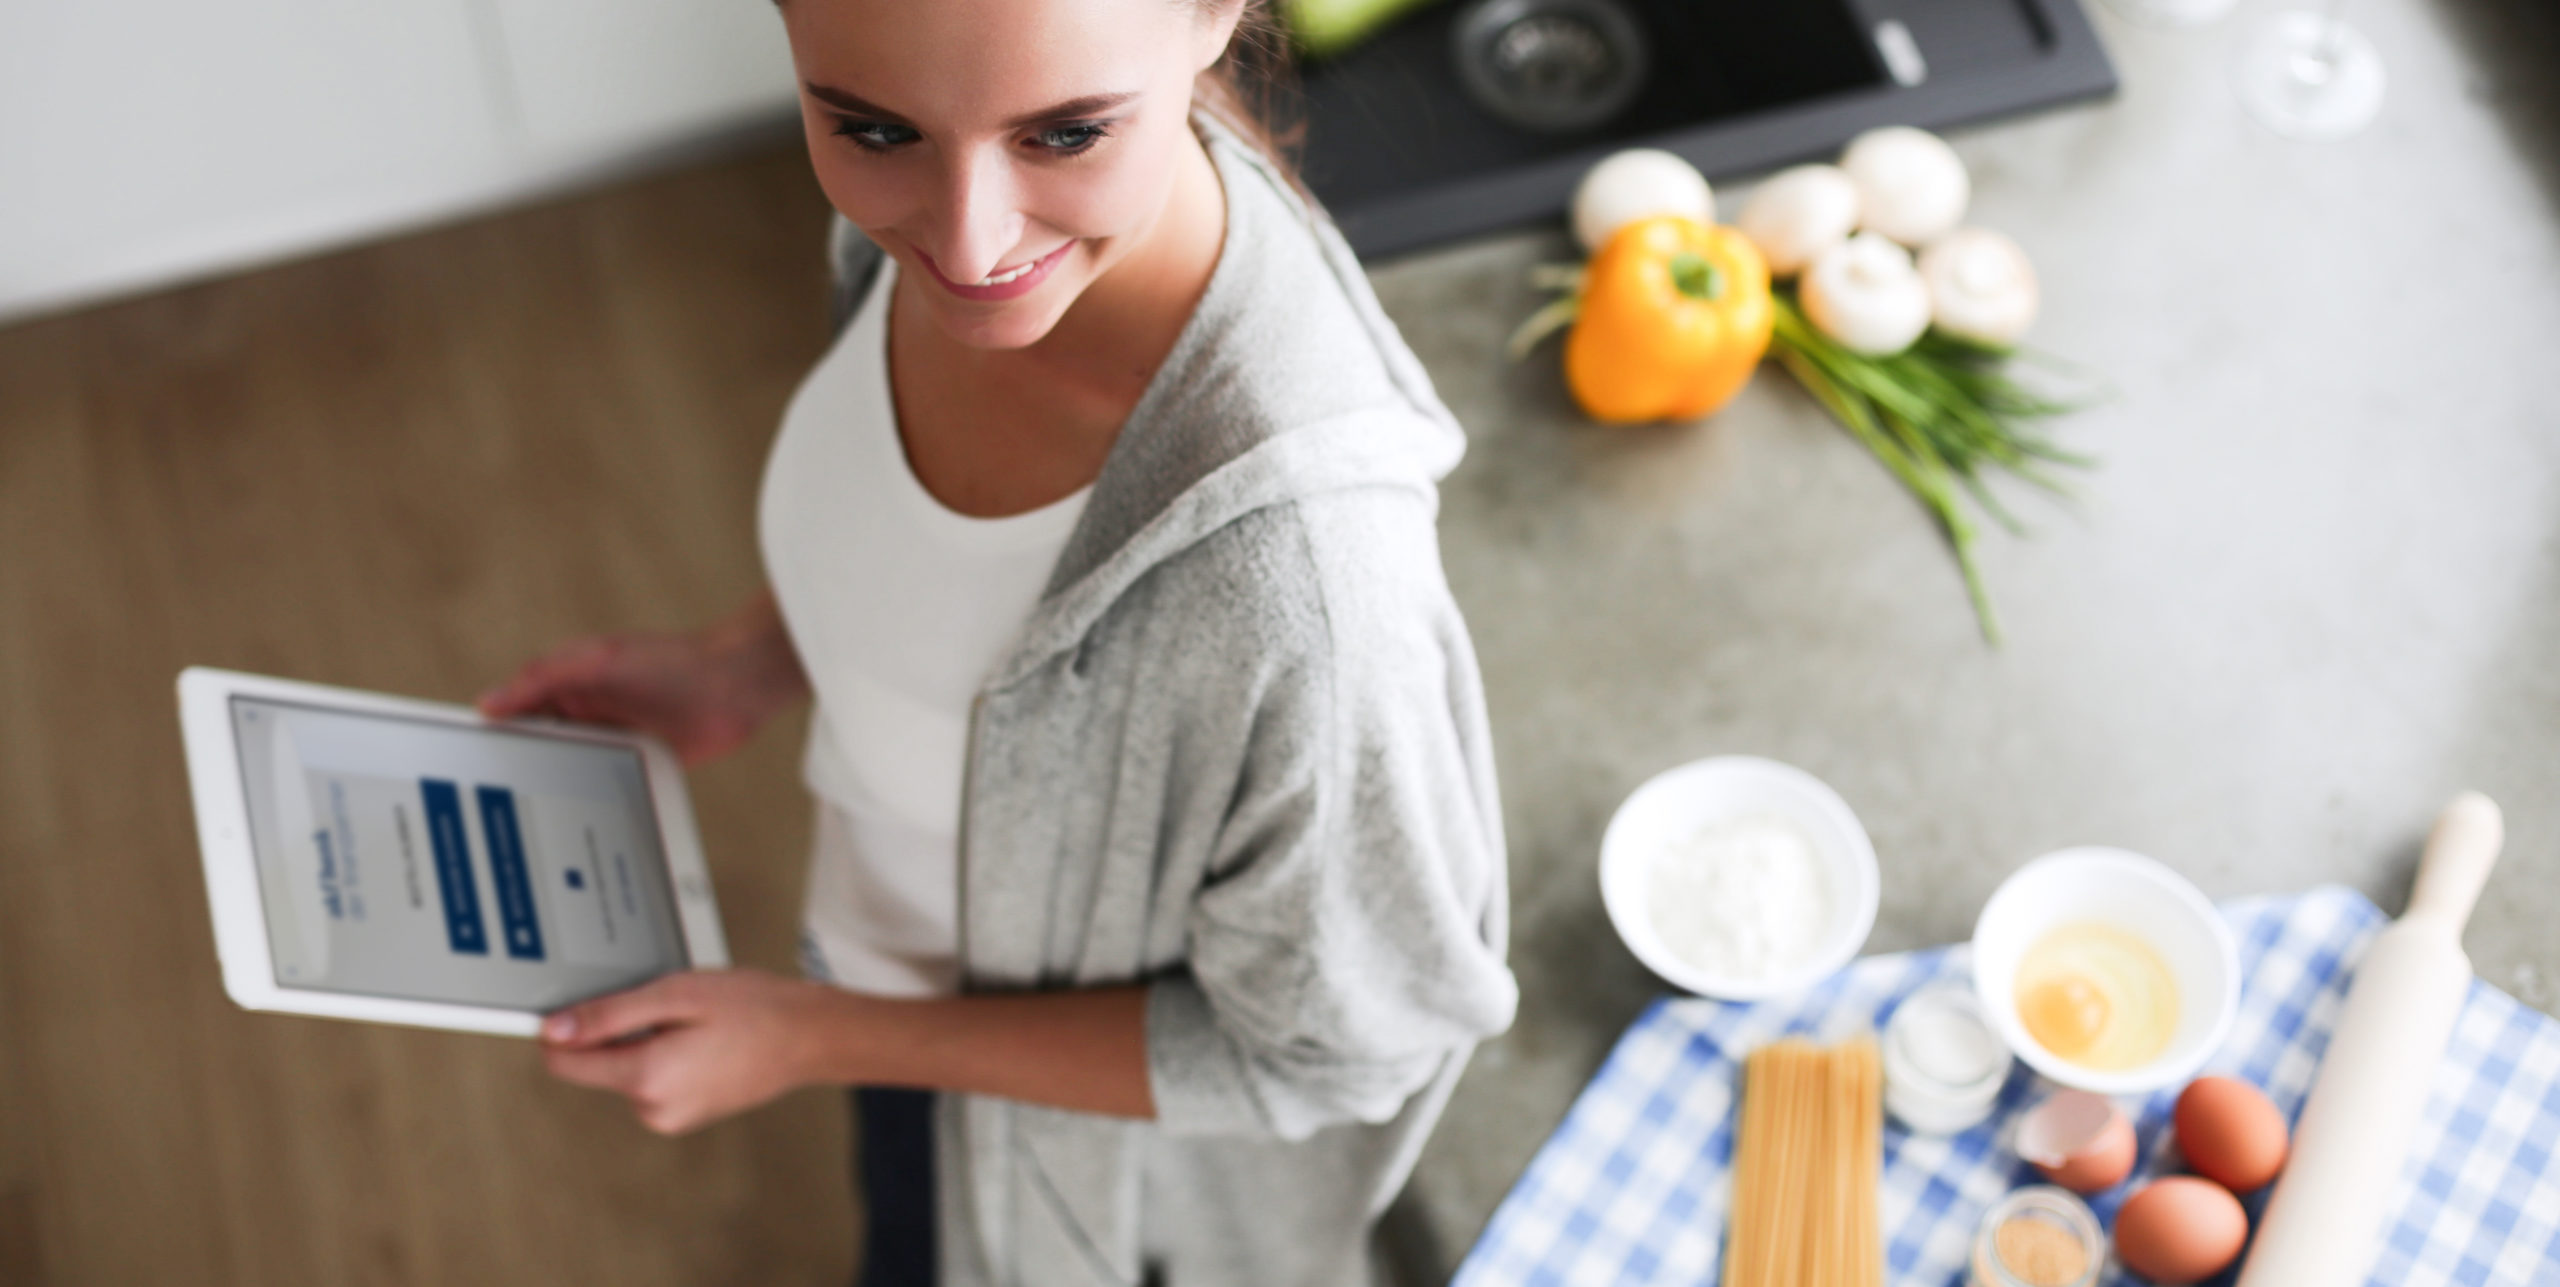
703, 693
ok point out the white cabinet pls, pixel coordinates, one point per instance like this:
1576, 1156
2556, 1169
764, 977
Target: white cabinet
598, 73
147, 141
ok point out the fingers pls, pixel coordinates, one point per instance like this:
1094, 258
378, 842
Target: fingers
543, 683
619, 1043
643, 1072
508, 701
626, 1071
687, 1049
592, 1024
528, 691
525, 693
620, 1069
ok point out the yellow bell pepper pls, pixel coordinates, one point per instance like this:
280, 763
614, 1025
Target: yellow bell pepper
1674, 316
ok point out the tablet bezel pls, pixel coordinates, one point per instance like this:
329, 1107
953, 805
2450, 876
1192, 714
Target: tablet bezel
231, 868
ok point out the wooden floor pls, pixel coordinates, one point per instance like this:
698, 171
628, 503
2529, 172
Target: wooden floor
407, 467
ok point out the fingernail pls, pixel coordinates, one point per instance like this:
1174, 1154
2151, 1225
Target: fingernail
560, 1027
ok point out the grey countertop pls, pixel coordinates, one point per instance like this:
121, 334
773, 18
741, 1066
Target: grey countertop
2309, 594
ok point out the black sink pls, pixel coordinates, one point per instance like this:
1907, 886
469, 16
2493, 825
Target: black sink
1467, 117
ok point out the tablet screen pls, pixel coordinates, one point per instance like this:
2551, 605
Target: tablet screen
408, 858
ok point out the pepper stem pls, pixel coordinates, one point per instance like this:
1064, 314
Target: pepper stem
1695, 277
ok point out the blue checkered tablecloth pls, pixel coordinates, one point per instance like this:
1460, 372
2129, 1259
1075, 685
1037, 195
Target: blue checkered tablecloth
1631, 1188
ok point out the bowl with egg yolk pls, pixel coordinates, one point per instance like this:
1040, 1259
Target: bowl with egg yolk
2106, 971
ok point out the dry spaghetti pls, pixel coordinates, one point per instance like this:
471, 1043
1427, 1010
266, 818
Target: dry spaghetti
1807, 1156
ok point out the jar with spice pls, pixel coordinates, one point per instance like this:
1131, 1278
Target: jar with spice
2039, 1236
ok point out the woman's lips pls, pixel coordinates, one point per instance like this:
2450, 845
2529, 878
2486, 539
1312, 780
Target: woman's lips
1019, 285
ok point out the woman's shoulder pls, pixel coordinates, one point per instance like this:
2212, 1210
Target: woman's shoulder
1287, 381
1289, 331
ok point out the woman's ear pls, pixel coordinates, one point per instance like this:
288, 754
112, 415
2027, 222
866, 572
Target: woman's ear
1217, 27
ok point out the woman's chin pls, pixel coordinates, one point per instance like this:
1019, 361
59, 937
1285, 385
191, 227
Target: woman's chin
1020, 323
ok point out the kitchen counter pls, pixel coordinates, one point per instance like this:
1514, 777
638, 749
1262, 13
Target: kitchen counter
2313, 589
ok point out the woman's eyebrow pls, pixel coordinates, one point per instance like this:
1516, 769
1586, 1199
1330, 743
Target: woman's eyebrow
1073, 108
851, 102
1088, 105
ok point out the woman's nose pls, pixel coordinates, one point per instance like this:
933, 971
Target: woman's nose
980, 218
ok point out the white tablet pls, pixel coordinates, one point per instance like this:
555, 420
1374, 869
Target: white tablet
372, 857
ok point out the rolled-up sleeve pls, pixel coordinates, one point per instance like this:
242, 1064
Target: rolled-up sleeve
1346, 943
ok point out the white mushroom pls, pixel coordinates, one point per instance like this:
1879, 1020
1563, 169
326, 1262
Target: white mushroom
1865, 294
1635, 184
1911, 185
1980, 286
1799, 213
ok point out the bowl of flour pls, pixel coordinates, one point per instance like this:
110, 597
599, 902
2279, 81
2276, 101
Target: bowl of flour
1738, 877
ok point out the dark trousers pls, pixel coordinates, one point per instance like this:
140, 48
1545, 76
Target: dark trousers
893, 1172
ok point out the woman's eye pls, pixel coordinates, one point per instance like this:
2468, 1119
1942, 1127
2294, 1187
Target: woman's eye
875, 136
1068, 140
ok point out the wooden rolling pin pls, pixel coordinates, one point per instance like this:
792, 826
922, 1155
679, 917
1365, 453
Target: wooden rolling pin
2325, 1221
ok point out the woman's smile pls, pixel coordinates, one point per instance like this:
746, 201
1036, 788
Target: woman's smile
1003, 284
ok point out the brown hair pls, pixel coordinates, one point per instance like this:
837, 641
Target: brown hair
1252, 88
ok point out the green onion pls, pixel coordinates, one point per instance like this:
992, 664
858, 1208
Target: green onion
1941, 416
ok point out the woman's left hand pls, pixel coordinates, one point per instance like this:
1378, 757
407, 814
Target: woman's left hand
690, 1049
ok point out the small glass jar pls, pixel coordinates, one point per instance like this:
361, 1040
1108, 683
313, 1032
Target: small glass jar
1943, 1064
2054, 1232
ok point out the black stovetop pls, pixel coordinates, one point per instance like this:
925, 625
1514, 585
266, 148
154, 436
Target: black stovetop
1409, 146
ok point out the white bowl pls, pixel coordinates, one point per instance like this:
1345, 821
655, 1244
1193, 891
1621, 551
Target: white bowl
1675, 804
2133, 893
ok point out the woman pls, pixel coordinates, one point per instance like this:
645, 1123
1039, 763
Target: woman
1158, 837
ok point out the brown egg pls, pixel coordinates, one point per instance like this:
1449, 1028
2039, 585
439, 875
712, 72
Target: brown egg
2077, 1140
2180, 1230
2231, 1133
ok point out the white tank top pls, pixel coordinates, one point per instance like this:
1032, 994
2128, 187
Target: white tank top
900, 609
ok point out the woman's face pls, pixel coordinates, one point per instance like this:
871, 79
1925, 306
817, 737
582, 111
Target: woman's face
1006, 152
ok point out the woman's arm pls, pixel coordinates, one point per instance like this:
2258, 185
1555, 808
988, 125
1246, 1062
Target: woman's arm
1085, 1049
690, 1049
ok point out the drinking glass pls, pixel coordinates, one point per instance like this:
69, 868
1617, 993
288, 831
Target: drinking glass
2309, 75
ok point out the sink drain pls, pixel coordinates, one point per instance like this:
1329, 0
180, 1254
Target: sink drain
1554, 66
